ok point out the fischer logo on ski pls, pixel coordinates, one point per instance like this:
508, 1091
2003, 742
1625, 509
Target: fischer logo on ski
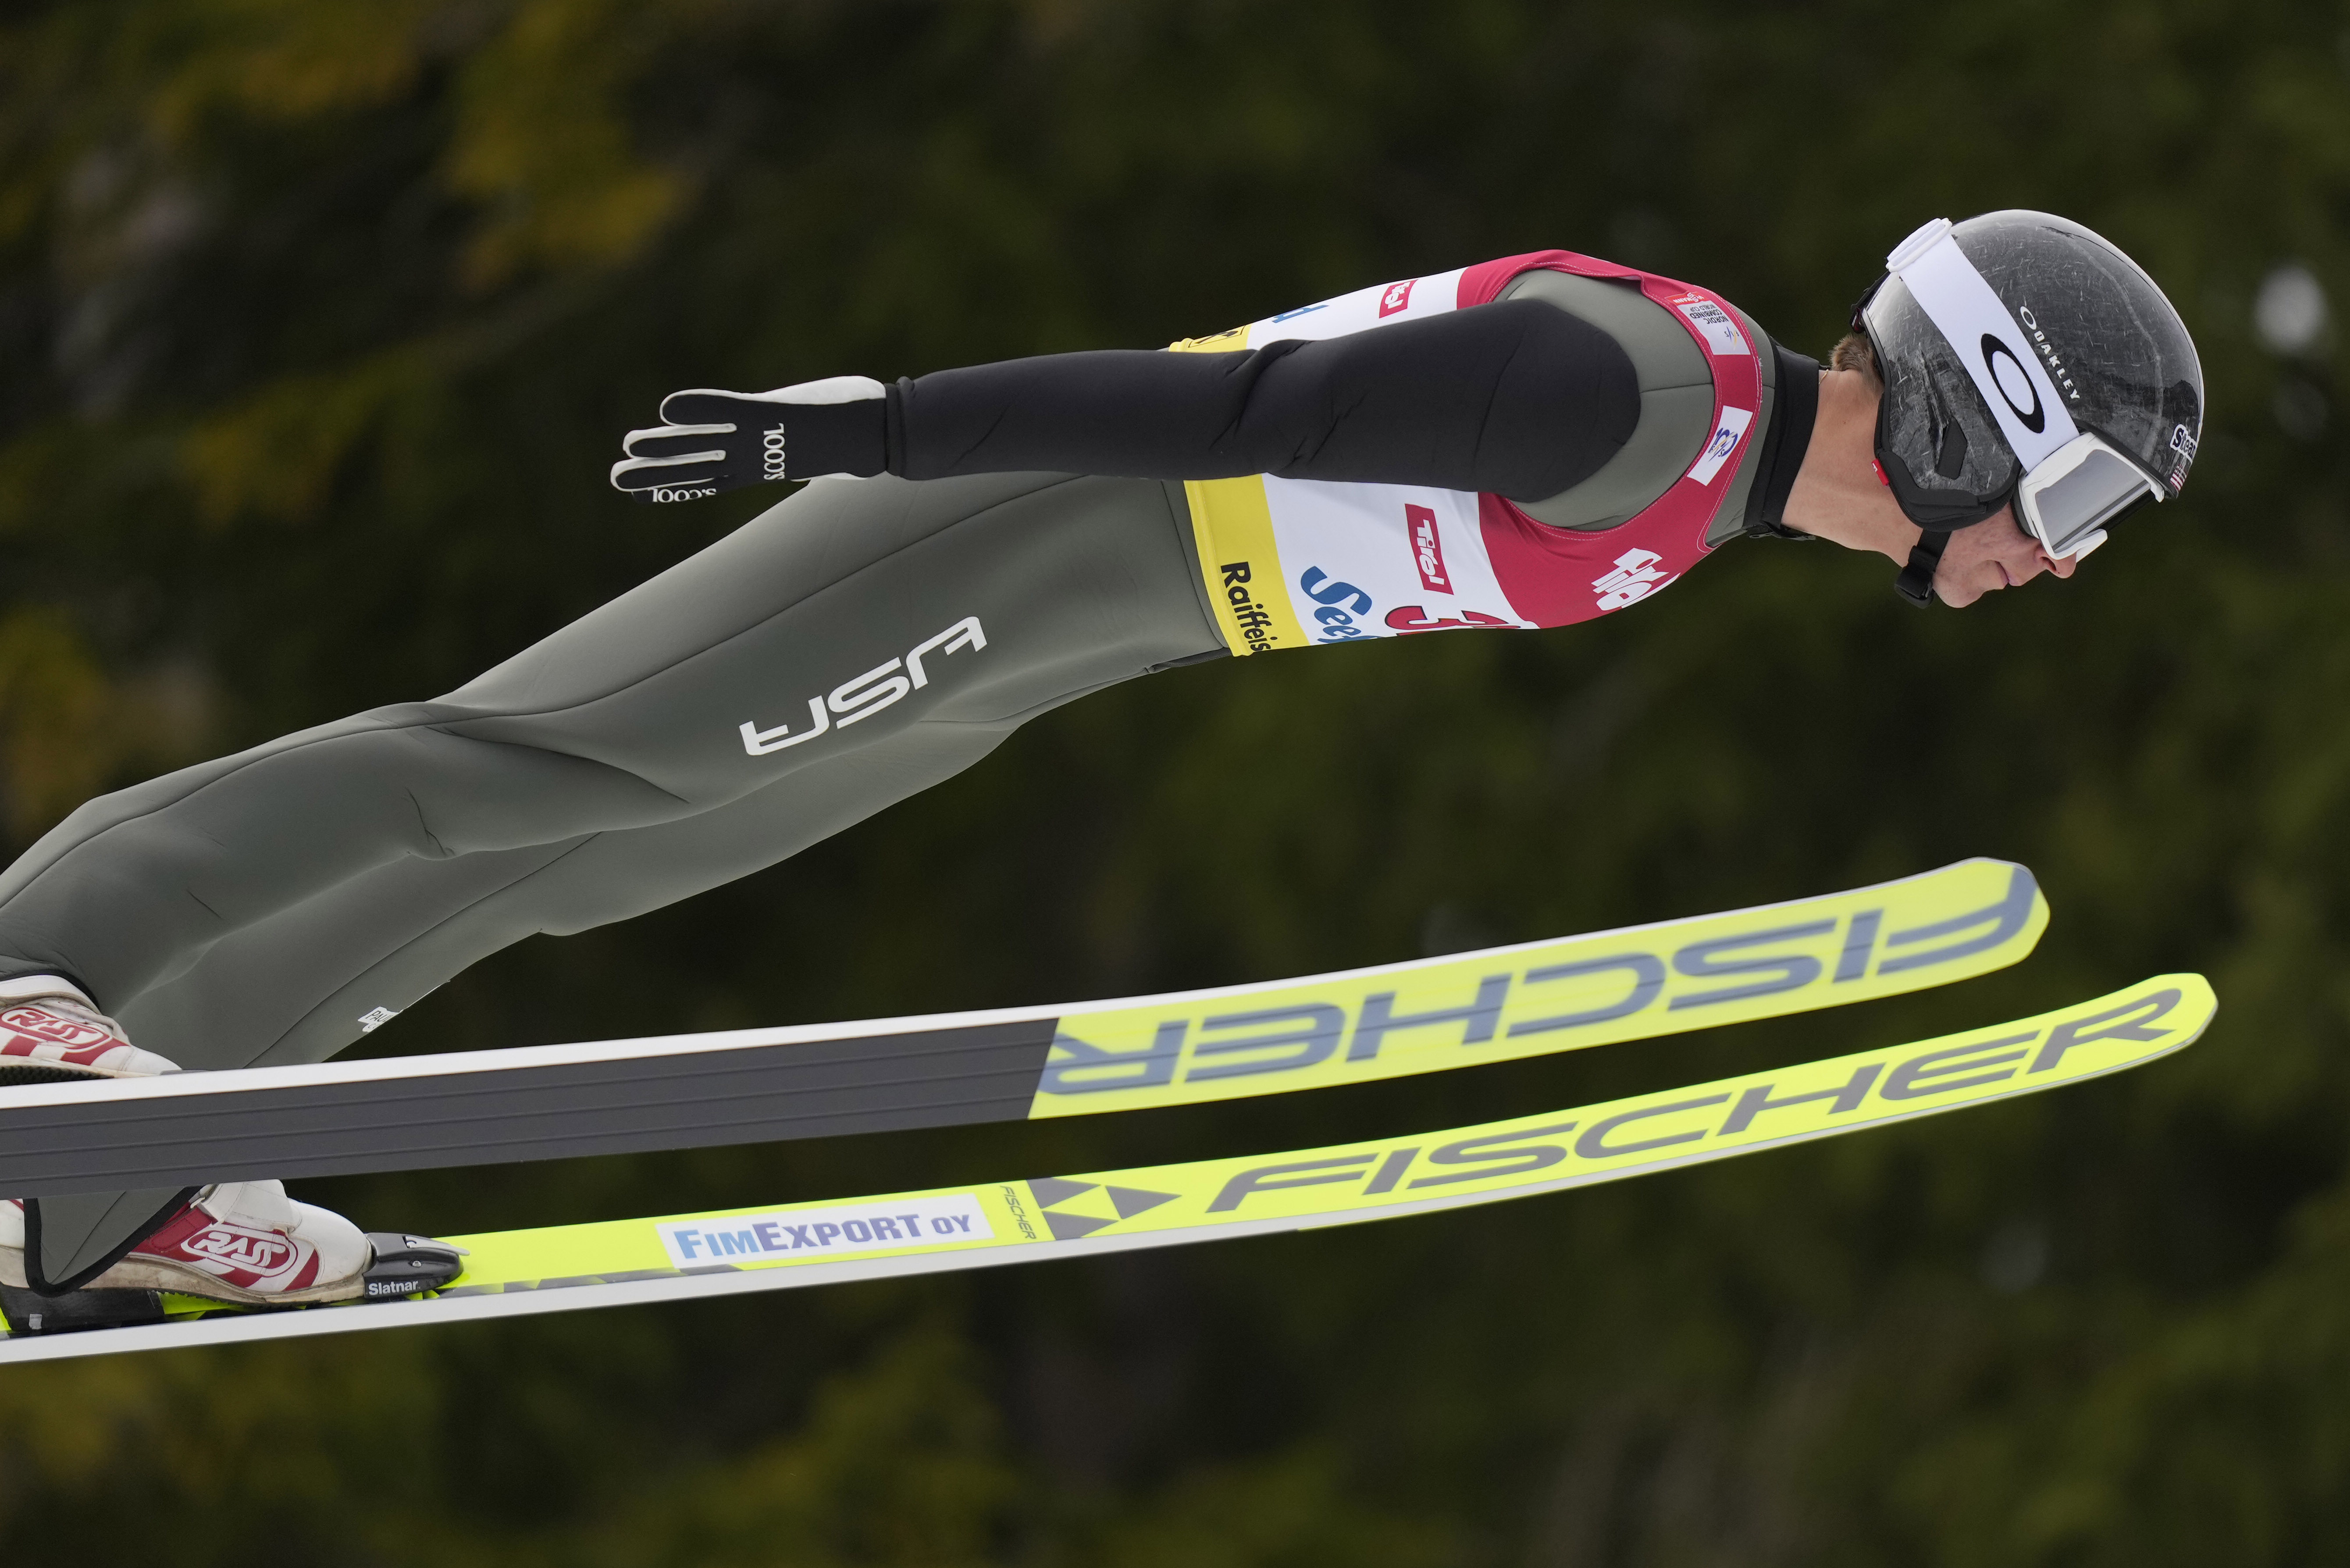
1423, 1015
791, 1245
1482, 1003
1075, 1210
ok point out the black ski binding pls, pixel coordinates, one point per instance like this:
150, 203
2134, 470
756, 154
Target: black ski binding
29, 1312
410, 1265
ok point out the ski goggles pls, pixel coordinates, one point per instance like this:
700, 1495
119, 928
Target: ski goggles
2066, 502
2074, 481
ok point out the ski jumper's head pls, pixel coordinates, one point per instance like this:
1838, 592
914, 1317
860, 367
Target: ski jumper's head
2013, 385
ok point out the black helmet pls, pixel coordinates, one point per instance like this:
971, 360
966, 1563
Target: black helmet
2027, 360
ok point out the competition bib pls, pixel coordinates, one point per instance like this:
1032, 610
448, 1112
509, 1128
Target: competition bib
1291, 562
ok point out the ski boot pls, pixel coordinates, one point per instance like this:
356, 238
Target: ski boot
52, 1034
242, 1243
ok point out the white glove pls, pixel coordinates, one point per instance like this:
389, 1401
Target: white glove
711, 440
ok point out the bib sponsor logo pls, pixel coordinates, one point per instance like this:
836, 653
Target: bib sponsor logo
772, 453
1341, 602
860, 697
1396, 296
1713, 324
1256, 626
1727, 431
1635, 577
42, 1024
262, 1252
809, 1235
1427, 549
1325, 1023
2008, 375
1405, 619
667, 493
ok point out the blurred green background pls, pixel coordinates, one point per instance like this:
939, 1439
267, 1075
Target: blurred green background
320, 319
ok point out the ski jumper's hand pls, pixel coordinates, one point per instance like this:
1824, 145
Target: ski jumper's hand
711, 441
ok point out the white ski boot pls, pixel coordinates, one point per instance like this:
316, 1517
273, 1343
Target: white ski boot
240, 1242
52, 1034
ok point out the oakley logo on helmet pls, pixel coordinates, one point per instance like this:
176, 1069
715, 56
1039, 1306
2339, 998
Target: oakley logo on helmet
2007, 373
2049, 357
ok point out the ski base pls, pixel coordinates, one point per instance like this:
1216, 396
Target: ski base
629, 1262
693, 1091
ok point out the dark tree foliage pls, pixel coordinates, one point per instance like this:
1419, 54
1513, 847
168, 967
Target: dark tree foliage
320, 318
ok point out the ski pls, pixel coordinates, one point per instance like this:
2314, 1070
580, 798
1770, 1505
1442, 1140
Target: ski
1186, 1048
790, 1245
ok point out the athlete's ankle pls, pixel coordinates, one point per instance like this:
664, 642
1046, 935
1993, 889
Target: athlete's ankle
35, 987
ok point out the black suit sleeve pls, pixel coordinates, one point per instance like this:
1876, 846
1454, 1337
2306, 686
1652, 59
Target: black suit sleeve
1517, 398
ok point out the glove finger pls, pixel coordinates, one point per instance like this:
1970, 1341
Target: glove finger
703, 406
671, 469
674, 442
635, 475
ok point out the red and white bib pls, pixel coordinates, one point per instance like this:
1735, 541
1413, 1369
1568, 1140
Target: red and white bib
1292, 562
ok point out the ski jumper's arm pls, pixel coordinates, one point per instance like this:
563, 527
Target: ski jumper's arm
1576, 398
1515, 397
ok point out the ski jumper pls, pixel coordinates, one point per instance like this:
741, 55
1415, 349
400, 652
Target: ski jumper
1040, 536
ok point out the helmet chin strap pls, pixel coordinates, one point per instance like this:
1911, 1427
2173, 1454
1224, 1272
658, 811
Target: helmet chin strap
1916, 581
